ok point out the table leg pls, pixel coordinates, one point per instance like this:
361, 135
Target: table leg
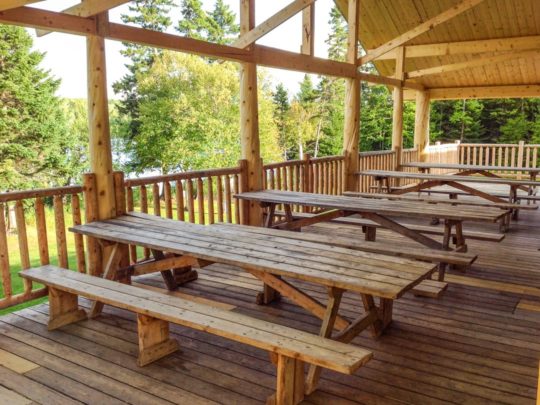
109, 273
168, 276
269, 220
370, 233
332, 307
383, 313
514, 200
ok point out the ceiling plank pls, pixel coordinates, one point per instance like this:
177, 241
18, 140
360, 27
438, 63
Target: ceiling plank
87, 8
464, 47
271, 23
420, 29
479, 92
9, 4
474, 63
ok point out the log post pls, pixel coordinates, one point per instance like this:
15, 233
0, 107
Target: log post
397, 118
421, 124
98, 120
351, 135
249, 118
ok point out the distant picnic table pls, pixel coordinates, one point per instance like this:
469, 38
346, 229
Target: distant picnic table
428, 181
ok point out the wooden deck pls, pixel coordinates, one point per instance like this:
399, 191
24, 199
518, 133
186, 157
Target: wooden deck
478, 344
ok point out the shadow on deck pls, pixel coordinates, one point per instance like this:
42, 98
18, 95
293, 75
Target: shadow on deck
477, 344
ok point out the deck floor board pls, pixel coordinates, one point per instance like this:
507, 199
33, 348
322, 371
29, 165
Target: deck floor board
474, 345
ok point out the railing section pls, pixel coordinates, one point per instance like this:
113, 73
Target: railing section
33, 232
506, 155
380, 160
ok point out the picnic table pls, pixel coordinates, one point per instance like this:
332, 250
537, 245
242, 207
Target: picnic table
467, 170
378, 211
270, 258
428, 181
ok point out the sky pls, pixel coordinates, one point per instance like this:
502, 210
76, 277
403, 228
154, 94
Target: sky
65, 55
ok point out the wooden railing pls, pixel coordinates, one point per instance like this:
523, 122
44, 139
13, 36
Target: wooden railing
380, 160
43, 211
511, 155
311, 175
442, 153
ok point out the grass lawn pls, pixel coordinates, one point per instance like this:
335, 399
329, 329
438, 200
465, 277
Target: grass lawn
15, 259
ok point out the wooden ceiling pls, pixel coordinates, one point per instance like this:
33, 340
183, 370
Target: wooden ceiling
384, 20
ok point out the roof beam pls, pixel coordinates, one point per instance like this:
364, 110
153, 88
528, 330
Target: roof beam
446, 15
390, 81
308, 31
9, 4
474, 63
464, 47
271, 23
87, 8
477, 92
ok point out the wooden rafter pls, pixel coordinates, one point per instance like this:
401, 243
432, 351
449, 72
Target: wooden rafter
474, 63
9, 4
87, 8
477, 92
428, 25
464, 47
389, 81
308, 31
276, 20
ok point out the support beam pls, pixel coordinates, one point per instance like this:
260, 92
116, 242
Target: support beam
249, 37
87, 8
479, 92
98, 119
249, 119
421, 124
464, 47
389, 81
351, 135
9, 4
308, 31
262, 55
397, 117
420, 29
476, 62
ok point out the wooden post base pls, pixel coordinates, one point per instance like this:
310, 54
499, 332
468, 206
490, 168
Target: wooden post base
154, 341
63, 309
184, 275
268, 295
290, 382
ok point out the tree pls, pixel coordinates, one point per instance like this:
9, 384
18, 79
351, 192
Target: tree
194, 21
280, 97
152, 15
189, 113
33, 136
223, 28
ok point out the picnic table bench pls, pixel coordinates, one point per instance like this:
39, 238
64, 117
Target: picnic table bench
289, 348
428, 181
270, 259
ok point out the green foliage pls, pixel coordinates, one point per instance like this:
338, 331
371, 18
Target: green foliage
189, 113
35, 147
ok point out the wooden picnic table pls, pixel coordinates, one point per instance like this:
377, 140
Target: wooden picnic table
379, 211
269, 258
467, 170
456, 181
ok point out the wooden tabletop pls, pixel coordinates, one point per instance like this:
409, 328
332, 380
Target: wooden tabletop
401, 208
447, 177
368, 273
457, 166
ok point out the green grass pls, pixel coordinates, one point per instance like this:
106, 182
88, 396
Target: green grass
31, 230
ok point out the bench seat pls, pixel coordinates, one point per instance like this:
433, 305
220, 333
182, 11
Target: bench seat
432, 230
289, 347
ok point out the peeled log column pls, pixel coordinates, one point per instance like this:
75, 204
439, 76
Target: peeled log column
397, 119
421, 123
351, 135
98, 117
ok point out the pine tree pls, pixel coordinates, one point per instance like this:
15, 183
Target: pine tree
337, 38
194, 22
223, 28
34, 141
282, 106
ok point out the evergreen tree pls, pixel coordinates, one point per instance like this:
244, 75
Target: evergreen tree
337, 38
223, 28
194, 22
34, 143
282, 107
152, 15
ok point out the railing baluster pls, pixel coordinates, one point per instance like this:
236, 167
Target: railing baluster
23, 242
200, 201
4, 254
236, 204
41, 230
144, 209
180, 209
130, 208
168, 199
156, 200
78, 238
191, 202
210, 198
219, 190
228, 202
60, 228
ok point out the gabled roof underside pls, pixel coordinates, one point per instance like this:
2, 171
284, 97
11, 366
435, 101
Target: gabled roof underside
383, 20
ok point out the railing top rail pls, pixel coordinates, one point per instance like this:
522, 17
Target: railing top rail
377, 152
277, 165
142, 181
40, 192
334, 158
515, 145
